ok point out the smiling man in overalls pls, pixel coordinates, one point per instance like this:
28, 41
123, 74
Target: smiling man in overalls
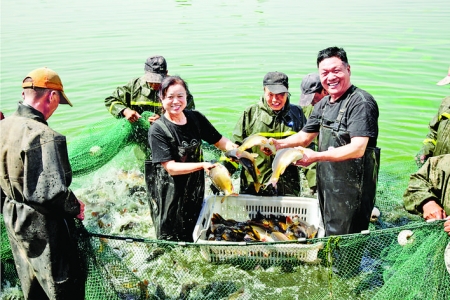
347, 158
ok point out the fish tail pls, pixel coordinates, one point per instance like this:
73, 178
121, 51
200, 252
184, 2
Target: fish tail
257, 186
223, 198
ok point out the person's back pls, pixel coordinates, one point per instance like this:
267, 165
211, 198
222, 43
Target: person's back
39, 208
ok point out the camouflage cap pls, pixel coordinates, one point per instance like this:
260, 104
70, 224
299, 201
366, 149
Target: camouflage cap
310, 85
155, 69
276, 82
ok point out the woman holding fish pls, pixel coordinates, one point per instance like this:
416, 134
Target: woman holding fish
272, 117
175, 176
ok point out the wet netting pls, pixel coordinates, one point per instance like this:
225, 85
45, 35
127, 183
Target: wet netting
399, 257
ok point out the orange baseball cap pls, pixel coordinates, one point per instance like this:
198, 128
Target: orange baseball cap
48, 79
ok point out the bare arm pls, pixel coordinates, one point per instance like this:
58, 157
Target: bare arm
179, 168
355, 149
301, 138
225, 144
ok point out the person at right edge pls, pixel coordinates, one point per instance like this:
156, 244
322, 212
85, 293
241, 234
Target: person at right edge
437, 141
428, 191
346, 122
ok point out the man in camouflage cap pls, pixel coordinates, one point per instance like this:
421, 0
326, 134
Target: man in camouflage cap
273, 116
141, 95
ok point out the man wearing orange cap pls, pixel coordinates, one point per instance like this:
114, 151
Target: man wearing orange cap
40, 210
437, 141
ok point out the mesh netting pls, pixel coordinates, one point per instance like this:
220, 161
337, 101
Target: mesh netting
400, 257
100, 142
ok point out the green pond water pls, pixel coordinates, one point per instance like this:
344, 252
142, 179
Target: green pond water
397, 50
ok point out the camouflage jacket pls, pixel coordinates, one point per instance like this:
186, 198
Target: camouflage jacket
139, 96
261, 119
431, 181
437, 141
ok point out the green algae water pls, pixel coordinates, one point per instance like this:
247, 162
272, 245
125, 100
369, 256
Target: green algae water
397, 50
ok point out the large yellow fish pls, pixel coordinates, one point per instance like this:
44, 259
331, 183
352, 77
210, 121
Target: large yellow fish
257, 140
262, 234
221, 178
283, 158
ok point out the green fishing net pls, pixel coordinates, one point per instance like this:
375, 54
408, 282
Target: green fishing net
399, 257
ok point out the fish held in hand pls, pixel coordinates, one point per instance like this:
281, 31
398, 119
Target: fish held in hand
283, 158
257, 140
221, 178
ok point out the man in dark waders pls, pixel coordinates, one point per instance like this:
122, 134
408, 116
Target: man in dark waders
347, 160
346, 122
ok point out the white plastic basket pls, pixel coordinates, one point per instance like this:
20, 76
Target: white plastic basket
245, 207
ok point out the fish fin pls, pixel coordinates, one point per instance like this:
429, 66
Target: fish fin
289, 221
255, 155
274, 184
223, 198
258, 172
257, 186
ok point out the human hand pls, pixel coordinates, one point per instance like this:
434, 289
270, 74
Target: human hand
433, 211
230, 146
447, 225
207, 166
131, 115
423, 154
80, 216
274, 142
308, 157
153, 118
266, 151
420, 159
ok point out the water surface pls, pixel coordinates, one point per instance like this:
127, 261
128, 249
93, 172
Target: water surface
397, 51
